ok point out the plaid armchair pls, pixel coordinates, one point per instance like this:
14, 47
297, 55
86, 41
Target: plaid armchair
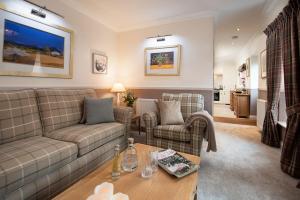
178, 137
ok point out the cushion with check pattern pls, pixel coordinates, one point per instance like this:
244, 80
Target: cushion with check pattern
190, 103
19, 115
25, 160
61, 108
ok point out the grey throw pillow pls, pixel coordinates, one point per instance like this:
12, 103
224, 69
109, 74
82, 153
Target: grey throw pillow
98, 110
170, 112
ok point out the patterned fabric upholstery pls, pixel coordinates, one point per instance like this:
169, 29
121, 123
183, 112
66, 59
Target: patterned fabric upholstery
123, 115
46, 187
88, 137
178, 137
172, 132
25, 160
19, 117
61, 108
190, 103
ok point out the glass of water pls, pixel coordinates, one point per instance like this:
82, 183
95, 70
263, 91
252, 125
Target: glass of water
147, 170
154, 161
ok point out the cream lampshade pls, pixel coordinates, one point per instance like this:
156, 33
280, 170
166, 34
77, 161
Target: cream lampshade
118, 88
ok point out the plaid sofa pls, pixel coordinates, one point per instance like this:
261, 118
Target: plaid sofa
177, 137
44, 149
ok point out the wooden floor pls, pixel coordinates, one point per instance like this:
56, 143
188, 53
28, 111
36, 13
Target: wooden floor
244, 121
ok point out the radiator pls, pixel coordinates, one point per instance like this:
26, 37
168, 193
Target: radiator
145, 105
261, 111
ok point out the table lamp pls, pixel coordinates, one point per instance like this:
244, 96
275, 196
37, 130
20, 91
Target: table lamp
118, 88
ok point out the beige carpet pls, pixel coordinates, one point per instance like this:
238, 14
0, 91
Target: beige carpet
243, 168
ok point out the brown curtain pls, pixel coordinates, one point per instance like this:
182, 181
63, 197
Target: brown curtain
283, 49
290, 27
270, 135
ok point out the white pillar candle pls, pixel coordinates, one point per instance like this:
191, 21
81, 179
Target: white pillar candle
121, 196
105, 191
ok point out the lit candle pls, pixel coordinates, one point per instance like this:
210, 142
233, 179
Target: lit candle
104, 191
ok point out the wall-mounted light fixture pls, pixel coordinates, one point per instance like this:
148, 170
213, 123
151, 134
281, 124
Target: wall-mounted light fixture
40, 11
159, 38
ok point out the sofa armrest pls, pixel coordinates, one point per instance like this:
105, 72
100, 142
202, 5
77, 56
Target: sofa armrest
124, 116
150, 120
198, 121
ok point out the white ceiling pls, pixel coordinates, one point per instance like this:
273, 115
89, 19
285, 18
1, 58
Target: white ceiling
123, 15
129, 14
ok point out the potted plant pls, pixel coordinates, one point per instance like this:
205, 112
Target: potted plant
129, 99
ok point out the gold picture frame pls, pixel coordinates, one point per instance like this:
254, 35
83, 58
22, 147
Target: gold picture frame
171, 67
69, 70
263, 64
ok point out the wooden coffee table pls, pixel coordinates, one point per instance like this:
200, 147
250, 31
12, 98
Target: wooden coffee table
161, 186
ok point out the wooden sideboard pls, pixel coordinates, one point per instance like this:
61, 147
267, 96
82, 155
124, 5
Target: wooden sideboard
240, 104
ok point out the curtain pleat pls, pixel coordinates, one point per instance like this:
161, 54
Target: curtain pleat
290, 157
270, 135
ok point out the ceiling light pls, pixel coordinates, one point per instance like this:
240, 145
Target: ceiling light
238, 29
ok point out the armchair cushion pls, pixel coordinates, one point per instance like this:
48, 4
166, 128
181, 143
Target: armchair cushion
172, 132
170, 113
190, 103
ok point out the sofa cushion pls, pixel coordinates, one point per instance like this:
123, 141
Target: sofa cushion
89, 137
98, 110
172, 132
190, 103
25, 160
61, 108
19, 115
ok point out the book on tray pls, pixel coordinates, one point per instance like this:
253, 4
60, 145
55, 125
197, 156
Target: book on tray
175, 164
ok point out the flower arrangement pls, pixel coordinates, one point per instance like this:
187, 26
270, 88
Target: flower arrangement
129, 99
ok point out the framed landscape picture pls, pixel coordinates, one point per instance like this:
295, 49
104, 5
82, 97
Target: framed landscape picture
99, 63
162, 61
32, 48
248, 67
263, 64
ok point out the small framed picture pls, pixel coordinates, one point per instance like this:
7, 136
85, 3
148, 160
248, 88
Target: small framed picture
99, 63
263, 64
248, 67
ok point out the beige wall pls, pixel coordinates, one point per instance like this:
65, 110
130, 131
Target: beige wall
89, 35
196, 38
125, 51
